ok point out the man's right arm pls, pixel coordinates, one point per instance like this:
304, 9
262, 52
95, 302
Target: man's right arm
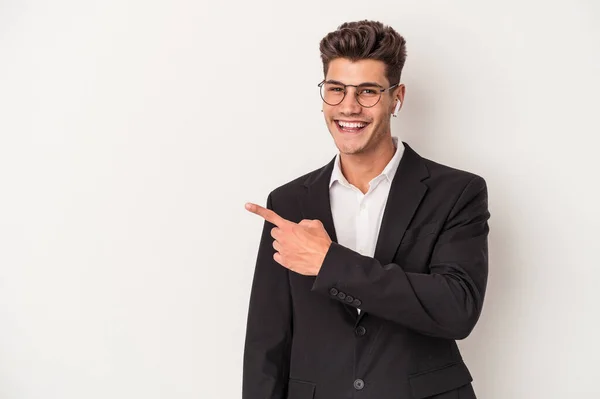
269, 325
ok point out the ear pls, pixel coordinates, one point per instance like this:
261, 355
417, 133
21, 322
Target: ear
399, 99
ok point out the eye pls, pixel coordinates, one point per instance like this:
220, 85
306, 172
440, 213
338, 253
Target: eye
368, 91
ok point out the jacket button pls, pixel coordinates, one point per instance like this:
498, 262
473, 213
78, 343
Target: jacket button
349, 298
360, 331
356, 302
341, 295
333, 291
359, 384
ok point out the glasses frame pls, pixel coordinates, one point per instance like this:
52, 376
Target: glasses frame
381, 90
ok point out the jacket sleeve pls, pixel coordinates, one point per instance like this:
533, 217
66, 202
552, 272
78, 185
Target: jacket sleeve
269, 325
445, 302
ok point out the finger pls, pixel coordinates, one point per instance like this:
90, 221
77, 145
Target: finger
279, 259
267, 214
275, 232
277, 245
312, 223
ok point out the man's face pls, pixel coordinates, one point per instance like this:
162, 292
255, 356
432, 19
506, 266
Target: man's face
352, 140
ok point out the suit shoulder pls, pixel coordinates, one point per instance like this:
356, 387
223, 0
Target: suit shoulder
451, 175
455, 187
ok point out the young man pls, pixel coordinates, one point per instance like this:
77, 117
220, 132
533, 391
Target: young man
370, 267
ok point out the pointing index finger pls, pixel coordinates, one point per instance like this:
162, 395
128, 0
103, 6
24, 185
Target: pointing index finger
267, 214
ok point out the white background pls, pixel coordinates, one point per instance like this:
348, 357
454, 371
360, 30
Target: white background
132, 133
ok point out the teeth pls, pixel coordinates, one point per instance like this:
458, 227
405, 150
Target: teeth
354, 125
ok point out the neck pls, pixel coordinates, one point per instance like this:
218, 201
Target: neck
360, 169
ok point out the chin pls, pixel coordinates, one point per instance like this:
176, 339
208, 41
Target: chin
350, 148
349, 145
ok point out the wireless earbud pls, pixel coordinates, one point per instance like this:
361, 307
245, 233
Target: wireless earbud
398, 104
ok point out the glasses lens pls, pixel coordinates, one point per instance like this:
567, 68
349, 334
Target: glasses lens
332, 94
368, 96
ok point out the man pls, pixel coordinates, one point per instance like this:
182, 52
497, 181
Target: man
370, 267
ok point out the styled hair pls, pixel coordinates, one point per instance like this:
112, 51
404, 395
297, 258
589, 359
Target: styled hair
366, 40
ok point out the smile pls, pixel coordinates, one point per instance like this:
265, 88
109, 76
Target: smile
351, 126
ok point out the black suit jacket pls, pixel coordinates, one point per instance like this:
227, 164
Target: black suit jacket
422, 290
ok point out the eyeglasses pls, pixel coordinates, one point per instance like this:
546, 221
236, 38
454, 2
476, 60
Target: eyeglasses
367, 94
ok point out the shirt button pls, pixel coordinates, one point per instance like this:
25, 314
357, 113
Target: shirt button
356, 302
333, 291
362, 207
360, 331
349, 298
341, 295
359, 384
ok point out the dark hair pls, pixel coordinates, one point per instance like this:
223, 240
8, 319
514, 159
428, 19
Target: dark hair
366, 40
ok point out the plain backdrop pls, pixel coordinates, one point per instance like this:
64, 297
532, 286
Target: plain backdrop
133, 132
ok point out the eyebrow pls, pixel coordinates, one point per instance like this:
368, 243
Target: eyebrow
337, 82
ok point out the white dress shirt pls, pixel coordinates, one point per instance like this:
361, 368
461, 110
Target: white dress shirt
357, 216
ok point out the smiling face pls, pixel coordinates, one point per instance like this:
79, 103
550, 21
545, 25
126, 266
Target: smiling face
356, 129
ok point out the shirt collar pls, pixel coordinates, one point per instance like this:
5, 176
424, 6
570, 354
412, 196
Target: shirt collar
389, 171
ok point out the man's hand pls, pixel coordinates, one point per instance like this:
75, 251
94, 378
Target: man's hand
300, 247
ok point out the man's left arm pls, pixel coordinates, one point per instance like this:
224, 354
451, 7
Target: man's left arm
447, 301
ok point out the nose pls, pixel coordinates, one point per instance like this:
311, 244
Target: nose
350, 105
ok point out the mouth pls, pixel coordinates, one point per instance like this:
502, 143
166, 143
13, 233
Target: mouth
352, 127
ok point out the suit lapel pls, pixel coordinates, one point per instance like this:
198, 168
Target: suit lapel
405, 196
317, 203
406, 193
